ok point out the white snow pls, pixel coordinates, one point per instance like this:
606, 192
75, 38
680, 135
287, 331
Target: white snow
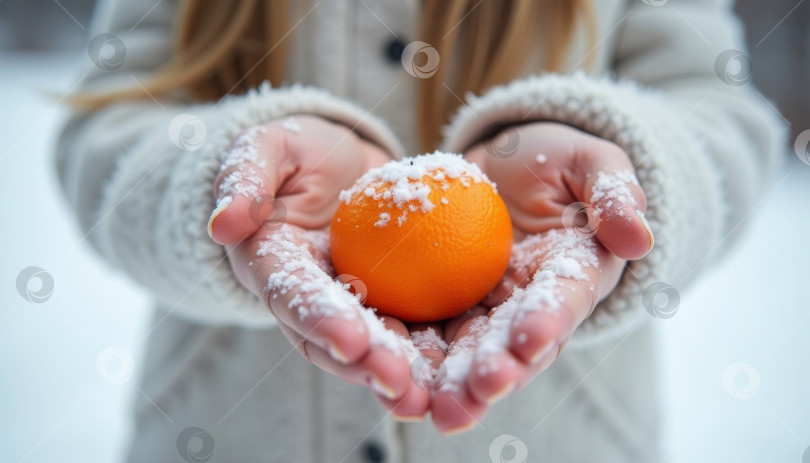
610, 193
291, 125
224, 201
428, 339
384, 219
239, 182
295, 268
245, 148
460, 356
243, 180
401, 185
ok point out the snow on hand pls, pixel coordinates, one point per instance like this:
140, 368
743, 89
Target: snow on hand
564, 254
316, 293
610, 192
242, 181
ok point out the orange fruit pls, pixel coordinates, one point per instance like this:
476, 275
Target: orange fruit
429, 236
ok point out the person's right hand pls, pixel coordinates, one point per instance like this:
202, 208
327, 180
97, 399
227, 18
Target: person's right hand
276, 195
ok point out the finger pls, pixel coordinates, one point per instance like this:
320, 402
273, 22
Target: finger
514, 277
495, 378
606, 181
414, 403
456, 411
386, 372
535, 331
453, 408
571, 271
517, 338
459, 327
427, 371
463, 332
282, 270
317, 243
410, 407
383, 370
494, 371
571, 276
244, 199
296, 340
544, 362
246, 186
428, 338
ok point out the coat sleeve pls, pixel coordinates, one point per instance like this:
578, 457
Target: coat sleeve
140, 174
704, 143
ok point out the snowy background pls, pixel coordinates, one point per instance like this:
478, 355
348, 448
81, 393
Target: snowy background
735, 353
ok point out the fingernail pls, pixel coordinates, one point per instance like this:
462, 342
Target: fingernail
380, 388
459, 429
508, 389
542, 353
646, 227
337, 354
408, 419
222, 204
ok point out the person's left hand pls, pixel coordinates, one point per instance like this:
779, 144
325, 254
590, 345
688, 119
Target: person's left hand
276, 194
577, 211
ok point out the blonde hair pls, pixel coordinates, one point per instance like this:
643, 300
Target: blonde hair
222, 47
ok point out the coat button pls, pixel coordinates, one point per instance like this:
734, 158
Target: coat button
374, 453
393, 50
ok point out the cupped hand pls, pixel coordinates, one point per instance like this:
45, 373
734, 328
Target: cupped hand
577, 211
276, 195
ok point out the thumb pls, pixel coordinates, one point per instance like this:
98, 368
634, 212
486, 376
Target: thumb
614, 202
246, 199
